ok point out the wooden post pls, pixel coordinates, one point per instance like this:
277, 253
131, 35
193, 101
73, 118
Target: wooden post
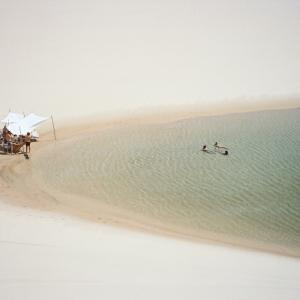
53, 127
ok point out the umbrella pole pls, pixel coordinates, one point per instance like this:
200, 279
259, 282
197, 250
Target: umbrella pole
53, 127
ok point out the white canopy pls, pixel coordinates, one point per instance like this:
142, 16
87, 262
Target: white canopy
32, 121
18, 129
12, 118
18, 124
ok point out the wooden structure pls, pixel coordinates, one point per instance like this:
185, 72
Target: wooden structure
13, 148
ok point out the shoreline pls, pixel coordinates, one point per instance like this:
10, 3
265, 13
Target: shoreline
161, 115
51, 201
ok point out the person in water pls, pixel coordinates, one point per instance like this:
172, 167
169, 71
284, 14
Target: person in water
204, 148
226, 152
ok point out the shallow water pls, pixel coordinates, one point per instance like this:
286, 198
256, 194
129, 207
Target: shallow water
160, 172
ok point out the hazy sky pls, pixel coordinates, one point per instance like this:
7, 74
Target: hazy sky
92, 55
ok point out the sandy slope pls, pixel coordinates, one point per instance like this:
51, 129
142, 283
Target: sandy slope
50, 256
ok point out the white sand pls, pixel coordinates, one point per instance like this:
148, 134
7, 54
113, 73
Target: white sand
50, 256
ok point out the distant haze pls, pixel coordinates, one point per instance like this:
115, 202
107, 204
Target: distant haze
73, 57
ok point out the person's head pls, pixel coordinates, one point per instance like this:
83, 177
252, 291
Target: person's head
28, 133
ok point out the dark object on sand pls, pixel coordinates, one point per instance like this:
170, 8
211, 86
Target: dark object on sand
26, 156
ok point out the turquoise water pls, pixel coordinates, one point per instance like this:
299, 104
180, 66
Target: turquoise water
158, 171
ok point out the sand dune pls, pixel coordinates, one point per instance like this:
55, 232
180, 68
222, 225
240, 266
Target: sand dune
50, 256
